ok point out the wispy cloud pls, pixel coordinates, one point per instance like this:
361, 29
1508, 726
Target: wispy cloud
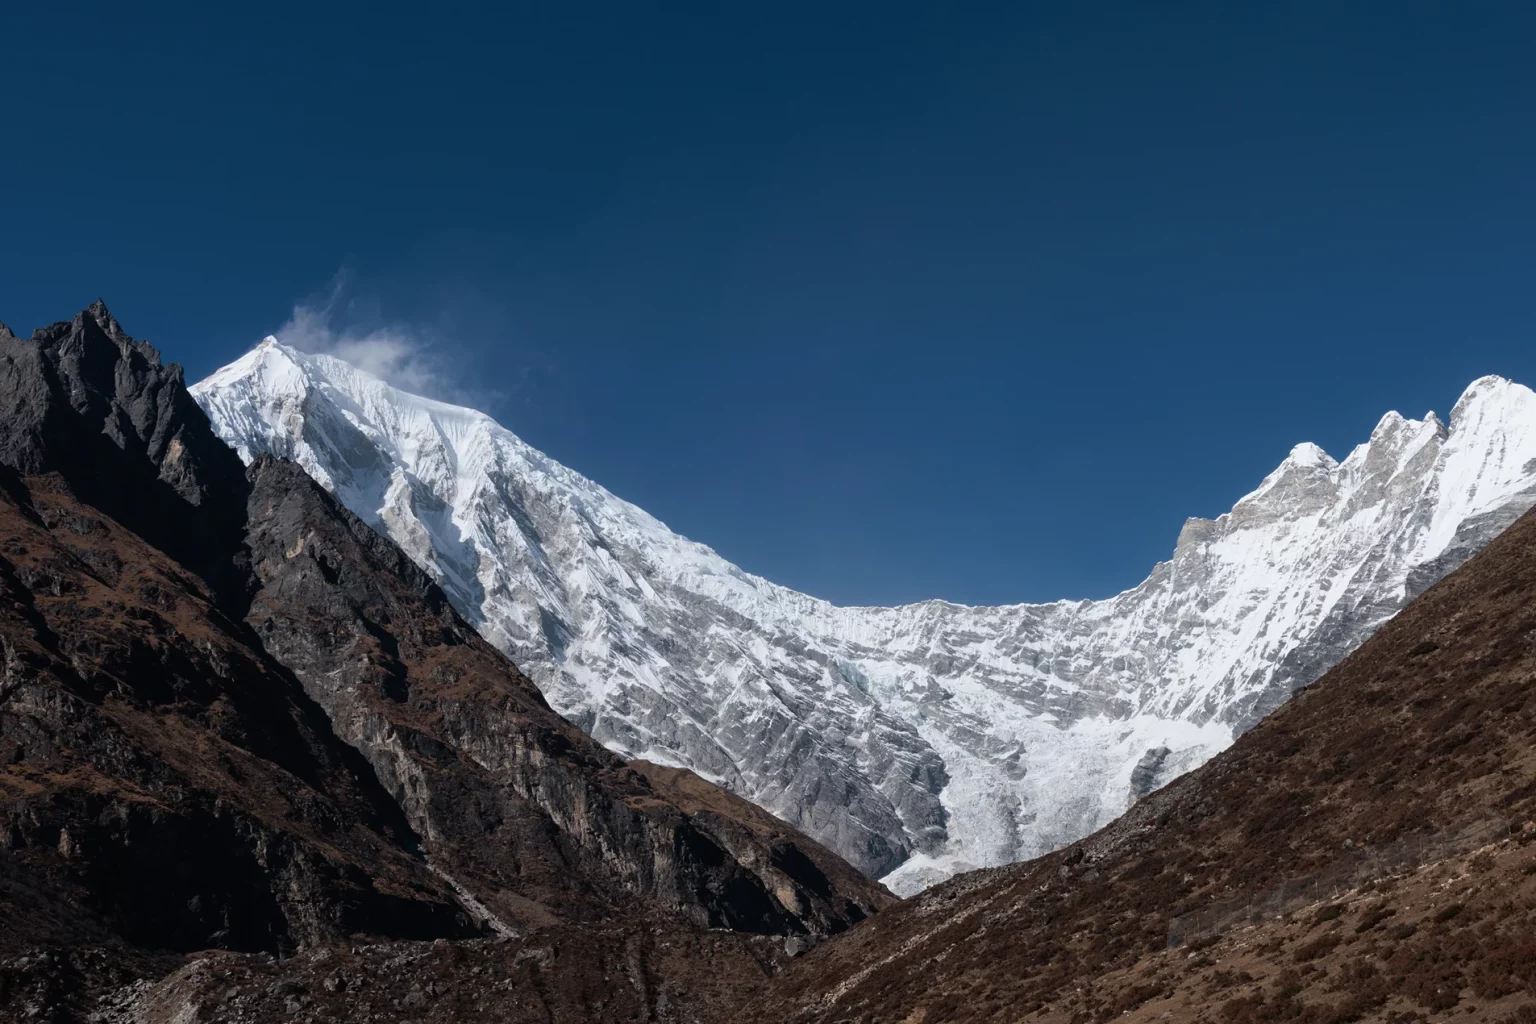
339, 324
465, 350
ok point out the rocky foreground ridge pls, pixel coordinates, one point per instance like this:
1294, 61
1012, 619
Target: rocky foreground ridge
235, 718
920, 740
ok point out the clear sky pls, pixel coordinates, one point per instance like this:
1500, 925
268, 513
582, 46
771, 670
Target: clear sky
884, 302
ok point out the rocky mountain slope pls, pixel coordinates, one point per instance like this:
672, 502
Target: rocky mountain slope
233, 717
1364, 853
920, 740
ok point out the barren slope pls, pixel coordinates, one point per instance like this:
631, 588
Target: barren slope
1427, 730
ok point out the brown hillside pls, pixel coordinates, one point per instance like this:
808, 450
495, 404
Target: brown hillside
1428, 729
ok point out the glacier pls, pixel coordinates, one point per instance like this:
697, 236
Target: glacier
922, 740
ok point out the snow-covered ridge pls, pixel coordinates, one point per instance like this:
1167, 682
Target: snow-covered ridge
916, 740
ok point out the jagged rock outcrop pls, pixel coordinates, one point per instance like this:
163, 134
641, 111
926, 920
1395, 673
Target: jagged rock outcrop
917, 740
508, 795
163, 777
170, 785
84, 400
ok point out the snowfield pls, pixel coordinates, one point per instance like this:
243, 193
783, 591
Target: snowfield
919, 740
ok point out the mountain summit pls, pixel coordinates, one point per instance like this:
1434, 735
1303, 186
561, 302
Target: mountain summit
918, 740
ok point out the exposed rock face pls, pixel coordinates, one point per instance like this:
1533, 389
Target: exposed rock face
172, 785
1144, 777
916, 740
84, 400
165, 778
234, 717
508, 795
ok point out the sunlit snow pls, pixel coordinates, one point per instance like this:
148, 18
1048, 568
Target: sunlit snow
917, 740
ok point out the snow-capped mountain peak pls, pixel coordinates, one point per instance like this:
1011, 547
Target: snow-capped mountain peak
916, 740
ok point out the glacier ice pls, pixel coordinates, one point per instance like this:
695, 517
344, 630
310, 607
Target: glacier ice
919, 740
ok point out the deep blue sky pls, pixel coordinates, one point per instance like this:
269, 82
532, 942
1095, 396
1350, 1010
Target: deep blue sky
882, 302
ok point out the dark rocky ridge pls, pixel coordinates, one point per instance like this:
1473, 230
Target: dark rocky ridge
84, 400
475, 756
233, 717
174, 785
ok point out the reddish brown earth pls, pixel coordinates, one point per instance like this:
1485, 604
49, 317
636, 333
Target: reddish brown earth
164, 786
1451, 940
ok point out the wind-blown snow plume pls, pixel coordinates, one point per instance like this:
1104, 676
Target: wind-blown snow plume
924, 739
337, 324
